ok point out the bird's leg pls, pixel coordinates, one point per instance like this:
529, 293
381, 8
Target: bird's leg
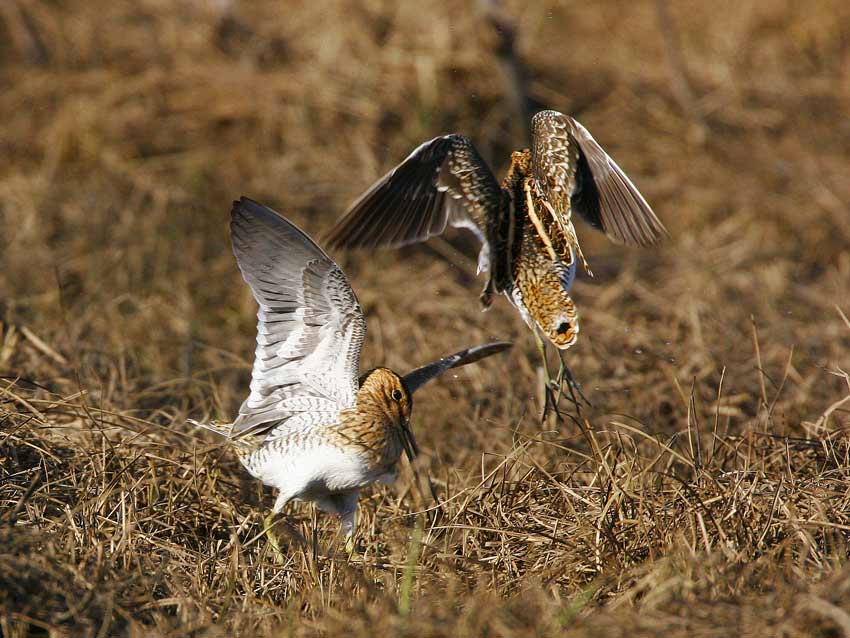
549, 399
566, 377
269, 523
348, 514
349, 522
554, 387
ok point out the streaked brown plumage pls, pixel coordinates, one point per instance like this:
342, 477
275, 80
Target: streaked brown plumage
377, 424
529, 244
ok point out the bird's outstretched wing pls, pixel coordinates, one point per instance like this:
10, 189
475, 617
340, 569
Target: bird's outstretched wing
444, 181
310, 327
576, 174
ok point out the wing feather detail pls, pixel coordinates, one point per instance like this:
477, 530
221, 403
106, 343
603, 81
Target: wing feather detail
442, 182
576, 174
310, 326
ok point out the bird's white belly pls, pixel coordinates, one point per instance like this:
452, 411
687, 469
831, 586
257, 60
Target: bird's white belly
314, 471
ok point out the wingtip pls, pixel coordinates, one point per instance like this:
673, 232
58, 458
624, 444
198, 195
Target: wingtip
331, 239
245, 205
656, 233
339, 236
644, 239
246, 209
661, 235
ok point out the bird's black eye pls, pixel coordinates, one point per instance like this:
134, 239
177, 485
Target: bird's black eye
563, 327
397, 395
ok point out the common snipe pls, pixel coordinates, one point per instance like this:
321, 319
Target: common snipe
528, 243
312, 427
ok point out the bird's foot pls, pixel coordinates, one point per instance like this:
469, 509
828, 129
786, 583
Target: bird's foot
268, 524
566, 379
349, 524
350, 547
554, 391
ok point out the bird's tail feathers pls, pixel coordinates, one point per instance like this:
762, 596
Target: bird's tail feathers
222, 429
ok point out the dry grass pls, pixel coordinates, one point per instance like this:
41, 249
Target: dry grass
706, 493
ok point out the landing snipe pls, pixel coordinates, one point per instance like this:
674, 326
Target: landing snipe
529, 245
310, 427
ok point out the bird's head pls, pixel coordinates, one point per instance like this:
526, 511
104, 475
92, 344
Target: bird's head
561, 327
386, 394
386, 391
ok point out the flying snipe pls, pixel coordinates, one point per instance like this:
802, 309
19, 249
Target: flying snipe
311, 427
529, 245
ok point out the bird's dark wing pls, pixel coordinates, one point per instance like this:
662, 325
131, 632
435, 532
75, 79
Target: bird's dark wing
576, 174
310, 327
442, 182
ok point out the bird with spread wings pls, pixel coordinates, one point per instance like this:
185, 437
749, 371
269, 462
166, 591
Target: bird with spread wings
312, 426
529, 246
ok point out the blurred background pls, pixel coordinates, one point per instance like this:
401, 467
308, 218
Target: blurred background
128, 127
131, 126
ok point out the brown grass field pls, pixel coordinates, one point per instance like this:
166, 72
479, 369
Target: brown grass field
706, 492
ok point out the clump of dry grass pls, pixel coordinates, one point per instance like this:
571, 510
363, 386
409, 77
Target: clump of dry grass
704, 493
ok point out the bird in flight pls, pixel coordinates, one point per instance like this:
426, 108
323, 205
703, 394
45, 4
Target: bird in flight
529, 246
312, 426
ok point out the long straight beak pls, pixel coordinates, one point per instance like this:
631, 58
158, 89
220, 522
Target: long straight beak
419, 377
409, 442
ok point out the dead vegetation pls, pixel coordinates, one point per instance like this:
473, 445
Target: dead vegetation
705, 493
